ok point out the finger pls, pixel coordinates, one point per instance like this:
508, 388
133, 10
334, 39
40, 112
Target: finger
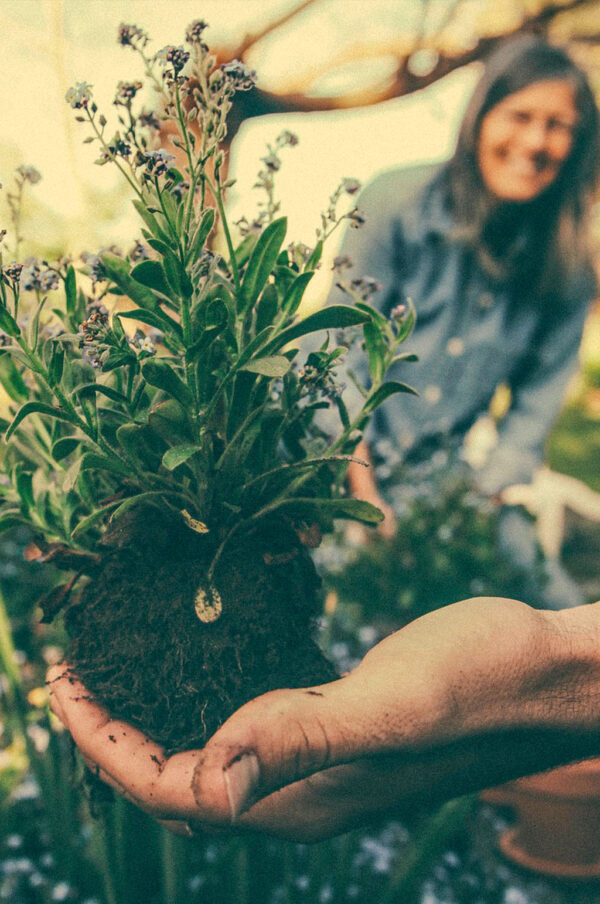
279, 738
127, 760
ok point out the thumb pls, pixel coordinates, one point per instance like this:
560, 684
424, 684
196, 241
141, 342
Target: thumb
272, 741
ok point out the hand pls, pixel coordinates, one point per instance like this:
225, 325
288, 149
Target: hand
363, 486
463, 698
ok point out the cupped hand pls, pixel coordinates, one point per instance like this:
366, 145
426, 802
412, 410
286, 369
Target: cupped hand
451, 703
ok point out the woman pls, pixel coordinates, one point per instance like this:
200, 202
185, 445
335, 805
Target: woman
493, 249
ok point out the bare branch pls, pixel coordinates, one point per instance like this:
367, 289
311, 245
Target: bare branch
250, 39
259, 102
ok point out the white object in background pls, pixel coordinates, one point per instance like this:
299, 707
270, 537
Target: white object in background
547, 497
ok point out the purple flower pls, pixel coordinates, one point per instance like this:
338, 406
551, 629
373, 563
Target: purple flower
148, 119
239, 75
272, 162
38, 277
350, 186
126, 91
195, 30
79, 96
365, 286
29, 174
176, 56
158, 162
356, 218
12, 271
131, 36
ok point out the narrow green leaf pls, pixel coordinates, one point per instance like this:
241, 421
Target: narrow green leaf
262, 260
151, 495
37, 408
71, 475
151, 222
71, 290
159, 246
100, 388
11, 380
64, 447
201, 234
160, 374
270, 366
87, 522
332, 317
353, 509
152, 275
177, 455
156, 318
117, 270
8, 324
93, 461
295, 293
55, 367
384, 392
315, 257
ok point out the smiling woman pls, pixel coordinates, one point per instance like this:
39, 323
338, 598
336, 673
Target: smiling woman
526, 138
493, 247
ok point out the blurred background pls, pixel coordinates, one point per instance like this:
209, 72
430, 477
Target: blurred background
365, 85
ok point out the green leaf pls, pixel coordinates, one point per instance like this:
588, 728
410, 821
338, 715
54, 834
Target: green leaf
262, 261
93, 461
201, 234
335, 316
117, 358
168, 421
8, 324
177, 277
37, 408
159, 246
315, 257
267, 307
376, 349
384, 392
160, 374
64, 447
141, 444
296, 291
156, 318
152, 275
177, 455
406, 356
270, 366
55, 367
71, 475
87, 522
11, 380
353, 509
153, 495
151, 222
108, 391
118, 271
71, 290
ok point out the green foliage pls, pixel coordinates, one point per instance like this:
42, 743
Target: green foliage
444, 549
205, 408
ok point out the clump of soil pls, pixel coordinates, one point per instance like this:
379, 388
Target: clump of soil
138, 645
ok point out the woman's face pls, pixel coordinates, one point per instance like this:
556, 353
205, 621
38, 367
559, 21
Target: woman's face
525, 139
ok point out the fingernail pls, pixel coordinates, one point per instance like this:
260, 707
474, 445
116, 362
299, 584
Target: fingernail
241, 781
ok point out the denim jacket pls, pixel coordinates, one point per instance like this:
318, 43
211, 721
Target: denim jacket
472, 333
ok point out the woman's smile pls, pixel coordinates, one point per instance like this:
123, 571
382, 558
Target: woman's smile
525, 139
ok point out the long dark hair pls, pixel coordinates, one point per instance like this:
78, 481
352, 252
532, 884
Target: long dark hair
544, 240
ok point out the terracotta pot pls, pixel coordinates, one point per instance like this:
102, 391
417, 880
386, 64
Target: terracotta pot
557, 832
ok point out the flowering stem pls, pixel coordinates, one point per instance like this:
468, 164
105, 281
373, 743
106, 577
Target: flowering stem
121, 169
218, 194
